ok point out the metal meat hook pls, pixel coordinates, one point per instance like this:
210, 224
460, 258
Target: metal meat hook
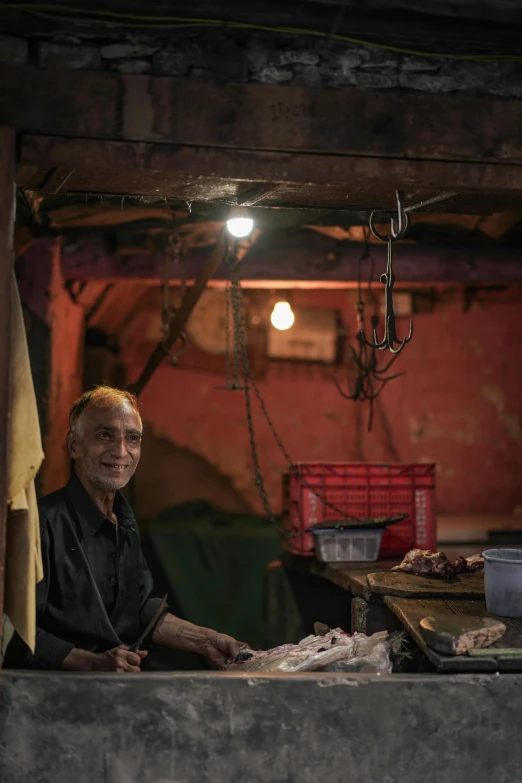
390, 332
398, 230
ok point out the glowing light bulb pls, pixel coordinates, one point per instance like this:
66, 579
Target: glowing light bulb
240, 227
282, 316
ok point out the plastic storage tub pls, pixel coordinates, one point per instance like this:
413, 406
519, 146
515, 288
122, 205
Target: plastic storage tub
503, 581
344, 546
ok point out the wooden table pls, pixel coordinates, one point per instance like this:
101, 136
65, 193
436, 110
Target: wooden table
368, 612
381, 600
410, 612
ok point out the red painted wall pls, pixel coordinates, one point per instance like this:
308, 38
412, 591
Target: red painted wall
459, 405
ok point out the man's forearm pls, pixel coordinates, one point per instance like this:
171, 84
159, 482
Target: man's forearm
182, 635
80, 661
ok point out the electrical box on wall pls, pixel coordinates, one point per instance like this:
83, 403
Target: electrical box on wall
311, 338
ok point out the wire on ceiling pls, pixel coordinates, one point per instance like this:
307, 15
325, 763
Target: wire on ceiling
56, 12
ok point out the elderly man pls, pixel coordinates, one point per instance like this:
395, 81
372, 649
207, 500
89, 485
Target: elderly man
95, 598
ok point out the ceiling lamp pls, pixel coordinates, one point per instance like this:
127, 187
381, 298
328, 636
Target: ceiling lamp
240, 227
239, 224
282, 316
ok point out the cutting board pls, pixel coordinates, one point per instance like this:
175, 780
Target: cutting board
453, 634
406, 585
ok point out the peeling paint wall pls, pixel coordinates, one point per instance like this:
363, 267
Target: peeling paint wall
458, 405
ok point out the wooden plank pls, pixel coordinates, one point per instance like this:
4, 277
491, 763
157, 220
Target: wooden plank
512, 636
412, 586
410, 612
55, 100
7, 207
183, 314
249, 116
256, 193
166, 168
57, 179
300, 257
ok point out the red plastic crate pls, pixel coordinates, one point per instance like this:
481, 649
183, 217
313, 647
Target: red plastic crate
362, 490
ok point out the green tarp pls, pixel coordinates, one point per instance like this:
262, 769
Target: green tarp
216, 565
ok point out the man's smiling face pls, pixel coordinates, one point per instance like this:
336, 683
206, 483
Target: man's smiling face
107, 446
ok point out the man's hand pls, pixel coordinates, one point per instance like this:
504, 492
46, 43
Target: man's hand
221, 648
182, 635
117, 660
120, 659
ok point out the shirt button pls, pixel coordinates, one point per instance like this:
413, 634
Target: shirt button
111, 579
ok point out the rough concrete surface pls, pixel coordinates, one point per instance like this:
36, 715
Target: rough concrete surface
188, 728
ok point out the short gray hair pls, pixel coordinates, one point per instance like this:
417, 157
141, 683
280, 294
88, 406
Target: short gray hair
100, 397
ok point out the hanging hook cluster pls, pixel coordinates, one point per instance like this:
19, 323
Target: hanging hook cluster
398, 228
370, 379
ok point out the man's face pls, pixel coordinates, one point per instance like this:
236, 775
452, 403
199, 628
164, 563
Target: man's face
108, 451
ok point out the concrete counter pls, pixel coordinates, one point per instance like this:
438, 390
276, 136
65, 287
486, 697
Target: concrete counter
230, 728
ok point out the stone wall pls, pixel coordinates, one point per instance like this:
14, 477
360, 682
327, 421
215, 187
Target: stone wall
266, 59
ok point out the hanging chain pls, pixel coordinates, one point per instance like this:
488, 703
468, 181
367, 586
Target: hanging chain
228, 356
249, 384
233, 356
240, 357
168, 312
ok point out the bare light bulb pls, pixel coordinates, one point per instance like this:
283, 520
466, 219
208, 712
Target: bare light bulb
240, 227
282, 316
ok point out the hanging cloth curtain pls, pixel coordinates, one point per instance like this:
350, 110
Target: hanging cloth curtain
23, 563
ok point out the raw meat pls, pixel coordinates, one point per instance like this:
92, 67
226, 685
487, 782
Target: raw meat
424, 562
317, 652
475, 563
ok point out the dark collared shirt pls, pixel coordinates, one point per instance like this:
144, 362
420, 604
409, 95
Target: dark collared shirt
96, 590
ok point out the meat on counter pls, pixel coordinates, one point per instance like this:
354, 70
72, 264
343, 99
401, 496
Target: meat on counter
424, 562
334, 651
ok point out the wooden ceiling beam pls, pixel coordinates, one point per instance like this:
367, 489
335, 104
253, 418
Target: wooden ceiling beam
290, 179
260, 117
304, 257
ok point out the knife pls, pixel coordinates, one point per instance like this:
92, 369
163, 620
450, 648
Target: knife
150, 626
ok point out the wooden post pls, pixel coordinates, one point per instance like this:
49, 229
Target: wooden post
187, 306
7, 206
66, 320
